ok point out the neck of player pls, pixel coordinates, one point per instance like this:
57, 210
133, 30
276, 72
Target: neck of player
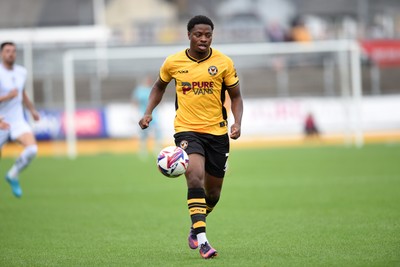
199, 55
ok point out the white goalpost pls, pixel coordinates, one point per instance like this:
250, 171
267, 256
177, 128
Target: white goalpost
349, 68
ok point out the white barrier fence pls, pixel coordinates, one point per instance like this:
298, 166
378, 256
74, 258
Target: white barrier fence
277, 117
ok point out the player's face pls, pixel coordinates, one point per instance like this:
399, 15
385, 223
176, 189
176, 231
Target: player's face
8, 54
200, 38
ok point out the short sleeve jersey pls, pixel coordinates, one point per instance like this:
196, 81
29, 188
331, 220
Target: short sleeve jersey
200, 90
12, 110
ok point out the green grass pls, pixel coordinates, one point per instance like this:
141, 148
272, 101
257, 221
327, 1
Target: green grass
322, 206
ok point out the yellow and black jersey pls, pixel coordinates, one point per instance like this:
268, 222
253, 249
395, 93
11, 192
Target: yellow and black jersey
200, 90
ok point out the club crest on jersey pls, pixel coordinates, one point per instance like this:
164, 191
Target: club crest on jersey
212, 70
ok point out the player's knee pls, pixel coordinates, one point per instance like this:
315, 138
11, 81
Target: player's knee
31, 151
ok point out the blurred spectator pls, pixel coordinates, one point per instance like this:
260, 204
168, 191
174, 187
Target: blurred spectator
377, 32
276, 33
310, 126
299, 32
140, 97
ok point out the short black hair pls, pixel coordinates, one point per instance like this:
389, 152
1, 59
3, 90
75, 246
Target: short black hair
199, 19
6, 43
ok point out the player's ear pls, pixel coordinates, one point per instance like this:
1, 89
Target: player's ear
189, 35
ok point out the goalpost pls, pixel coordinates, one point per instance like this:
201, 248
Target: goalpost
349, 64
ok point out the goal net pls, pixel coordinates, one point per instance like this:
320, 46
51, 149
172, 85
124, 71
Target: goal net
280, 83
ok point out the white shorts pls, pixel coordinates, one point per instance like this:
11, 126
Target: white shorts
16, 130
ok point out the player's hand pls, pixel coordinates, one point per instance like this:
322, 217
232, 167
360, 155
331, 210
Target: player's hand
145, 121
13, 93
35, 115
3, 125
235, 131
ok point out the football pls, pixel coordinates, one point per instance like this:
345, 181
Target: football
172, 161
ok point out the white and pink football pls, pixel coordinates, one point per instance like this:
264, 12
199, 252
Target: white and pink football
172, 161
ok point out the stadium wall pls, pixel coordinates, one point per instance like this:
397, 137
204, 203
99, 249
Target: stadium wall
266, 123
261, 118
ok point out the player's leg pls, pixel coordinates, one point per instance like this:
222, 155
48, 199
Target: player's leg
193, 145
216, 165
197, 206
213, 187
196, 198
28, 141
16, 189
217, 151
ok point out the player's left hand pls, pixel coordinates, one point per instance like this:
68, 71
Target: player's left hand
235, 131
145, 121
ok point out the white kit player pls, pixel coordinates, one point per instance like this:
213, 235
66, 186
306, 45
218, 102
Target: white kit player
13, 99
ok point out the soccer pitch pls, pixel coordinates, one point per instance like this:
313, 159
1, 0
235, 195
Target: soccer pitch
305, 206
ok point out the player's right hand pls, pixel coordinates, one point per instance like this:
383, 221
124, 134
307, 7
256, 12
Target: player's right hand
13, 93
145, 121
4, 125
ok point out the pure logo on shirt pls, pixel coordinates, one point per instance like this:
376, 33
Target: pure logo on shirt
199, 88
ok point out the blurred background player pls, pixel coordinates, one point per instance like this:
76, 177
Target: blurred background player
13, 98
140, 98
202, 76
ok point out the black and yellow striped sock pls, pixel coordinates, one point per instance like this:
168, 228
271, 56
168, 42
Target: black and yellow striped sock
197, 209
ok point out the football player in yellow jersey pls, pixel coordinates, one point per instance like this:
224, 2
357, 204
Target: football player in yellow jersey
202, 76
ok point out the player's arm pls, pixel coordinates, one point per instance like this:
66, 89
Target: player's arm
237, 111
13, 93
29, 105
155, 97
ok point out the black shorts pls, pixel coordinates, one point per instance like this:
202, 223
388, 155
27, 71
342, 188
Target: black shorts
215, 149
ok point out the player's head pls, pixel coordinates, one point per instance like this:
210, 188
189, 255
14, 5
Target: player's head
200, 30
199, 19
8, 53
